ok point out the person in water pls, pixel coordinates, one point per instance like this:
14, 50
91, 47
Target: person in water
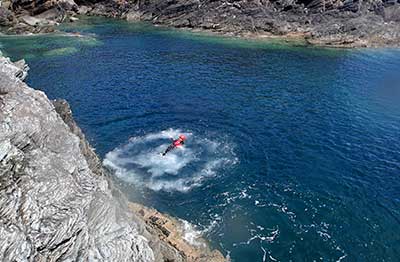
176, 143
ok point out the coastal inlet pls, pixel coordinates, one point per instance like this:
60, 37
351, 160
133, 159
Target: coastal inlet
306, 137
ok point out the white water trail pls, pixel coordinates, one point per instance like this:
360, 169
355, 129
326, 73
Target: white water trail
140, 162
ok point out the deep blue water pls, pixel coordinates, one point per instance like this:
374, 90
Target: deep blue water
293, 153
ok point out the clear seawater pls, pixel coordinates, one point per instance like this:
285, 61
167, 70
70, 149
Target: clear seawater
293, 152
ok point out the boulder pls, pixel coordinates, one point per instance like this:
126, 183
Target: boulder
5, 4
53, 14
32, 21
68, 5
133, 16
83, 9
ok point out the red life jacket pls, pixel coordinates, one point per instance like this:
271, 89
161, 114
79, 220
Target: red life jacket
177, 143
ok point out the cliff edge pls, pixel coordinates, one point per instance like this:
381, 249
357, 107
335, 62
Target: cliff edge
56, 203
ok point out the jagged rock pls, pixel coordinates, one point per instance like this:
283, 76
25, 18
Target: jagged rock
52, 205
392, 13
113, 8
6, 17
35, 7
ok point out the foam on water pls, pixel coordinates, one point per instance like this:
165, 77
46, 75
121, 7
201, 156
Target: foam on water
191, 234
140, 162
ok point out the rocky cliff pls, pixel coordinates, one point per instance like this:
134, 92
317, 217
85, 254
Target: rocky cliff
56, 203
325, 22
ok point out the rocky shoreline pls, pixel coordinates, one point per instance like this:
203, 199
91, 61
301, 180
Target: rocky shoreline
56, 202
337, 23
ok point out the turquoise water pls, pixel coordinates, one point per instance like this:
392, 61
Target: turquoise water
293, 152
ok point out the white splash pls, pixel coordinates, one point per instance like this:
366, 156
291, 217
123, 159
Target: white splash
264, 254
140, 162
191, 235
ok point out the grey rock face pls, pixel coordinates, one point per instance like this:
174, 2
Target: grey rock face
333, 22
6, 17
55, 204
35, 7
32, 16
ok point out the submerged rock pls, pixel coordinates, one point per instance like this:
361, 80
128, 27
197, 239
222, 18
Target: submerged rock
56, 203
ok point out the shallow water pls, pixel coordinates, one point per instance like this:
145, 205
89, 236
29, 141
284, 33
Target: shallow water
293, 152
